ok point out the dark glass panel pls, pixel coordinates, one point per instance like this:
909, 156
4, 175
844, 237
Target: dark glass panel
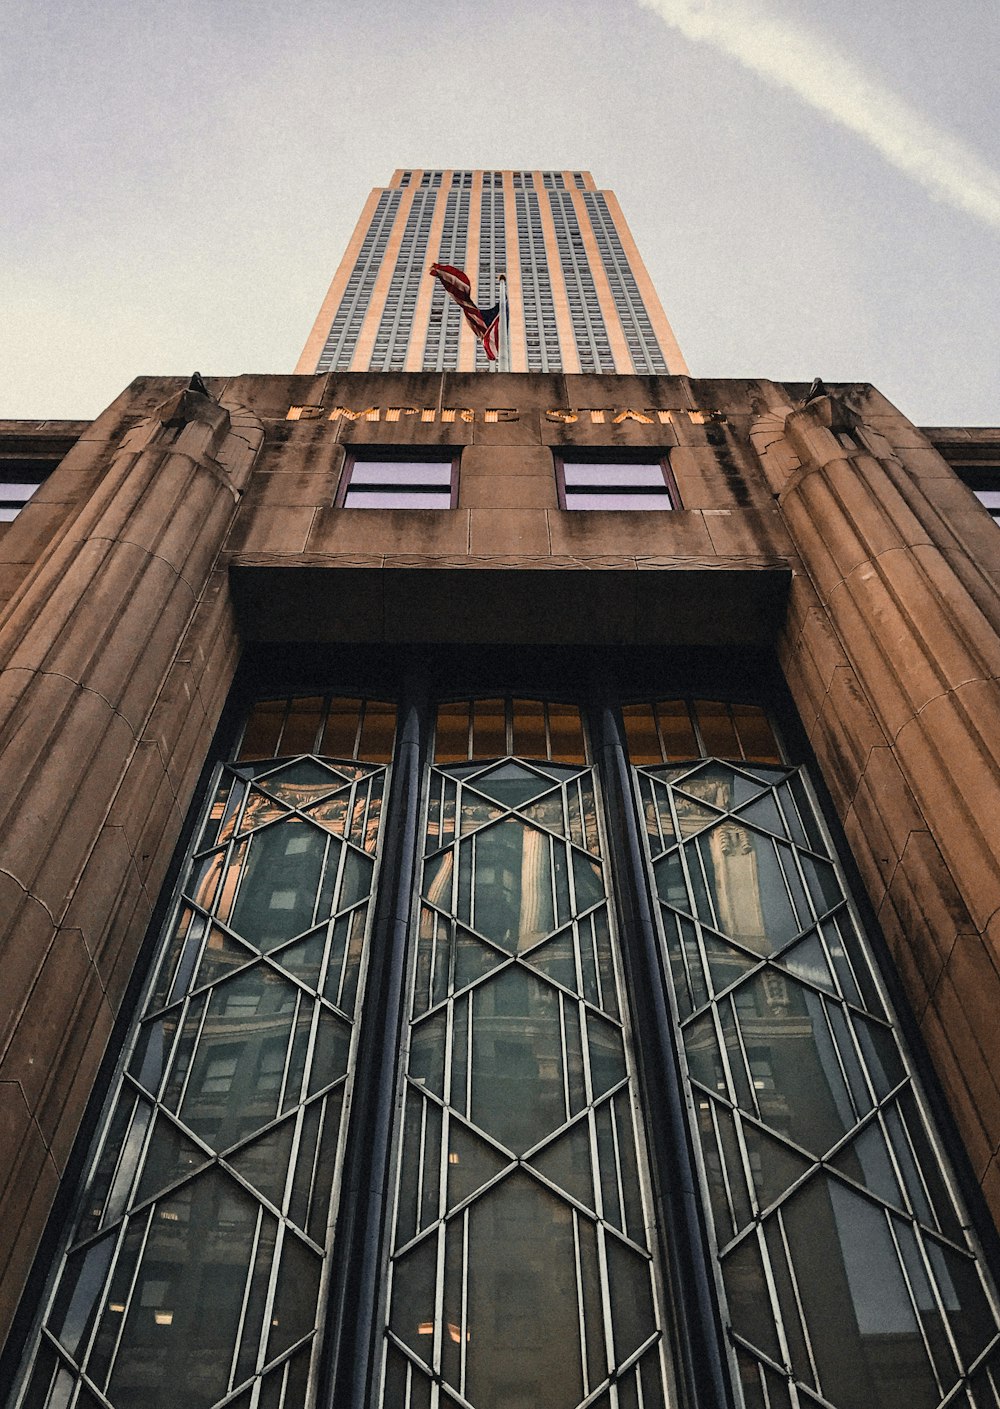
862, 1325
519, 1066
631, 1297
104, 1171
523, 1317
591, 1295
260, 738
926, 1162
567, 1162
300, 783
203, 882
529, 728
471, 1162
755, 734
341, 729
183, 1317
294, 1312
451, 742
335, 813
411, 1313
677, 731
322, 1172
788, 1305
78, 1299
764, 814
747, 886
607, 1055
587, 882
824, 888
511, 785
377, 732
264, 1162
169, 1156
748, 1297
964, 1299
640, 734
489, 729
427, 1051
221, 956
278, 890
566, 734
725, 963
183, 949
556, 958
716, 724
260, 1274
807, 960
302, 725
774, 1167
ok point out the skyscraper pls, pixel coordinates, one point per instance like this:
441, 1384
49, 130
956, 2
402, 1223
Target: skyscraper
580, 297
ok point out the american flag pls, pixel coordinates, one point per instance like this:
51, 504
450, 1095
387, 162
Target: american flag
485, 325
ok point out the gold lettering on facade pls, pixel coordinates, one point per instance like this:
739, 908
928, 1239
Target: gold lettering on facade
596, 415
304, 413
566, 417
395, 412
370, 413
428, 414
464, 413
629, 415
492, 414
665, 418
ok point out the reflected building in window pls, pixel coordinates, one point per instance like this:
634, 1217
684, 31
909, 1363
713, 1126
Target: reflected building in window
580, 297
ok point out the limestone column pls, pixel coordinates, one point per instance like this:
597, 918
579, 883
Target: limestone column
892, 651
114, 657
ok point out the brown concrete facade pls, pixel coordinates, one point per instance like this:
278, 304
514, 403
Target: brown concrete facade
181, 527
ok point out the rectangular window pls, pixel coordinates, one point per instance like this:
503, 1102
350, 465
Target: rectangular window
615, 481
391, 481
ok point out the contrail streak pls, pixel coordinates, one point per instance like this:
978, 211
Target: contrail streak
817, 71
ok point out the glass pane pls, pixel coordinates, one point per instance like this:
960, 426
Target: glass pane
397, 499
609, 499
755, 734
452, 736
302, 725
612, 475
341, 731
489, 729
679, 739
640, 733
529, 728
401, 472
716, 724
378, 732
566, 734
260, 738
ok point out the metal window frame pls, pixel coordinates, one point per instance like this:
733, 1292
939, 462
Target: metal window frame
616, 455
362, 454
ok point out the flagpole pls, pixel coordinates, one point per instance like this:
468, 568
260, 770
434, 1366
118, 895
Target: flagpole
503, 349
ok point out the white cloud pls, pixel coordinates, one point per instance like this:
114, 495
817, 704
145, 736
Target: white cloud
812, 67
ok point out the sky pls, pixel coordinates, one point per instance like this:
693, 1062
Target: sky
815, 189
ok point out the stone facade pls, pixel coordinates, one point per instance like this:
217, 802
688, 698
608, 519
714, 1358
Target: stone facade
828, 534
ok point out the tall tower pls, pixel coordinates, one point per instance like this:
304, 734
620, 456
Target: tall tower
580, 297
